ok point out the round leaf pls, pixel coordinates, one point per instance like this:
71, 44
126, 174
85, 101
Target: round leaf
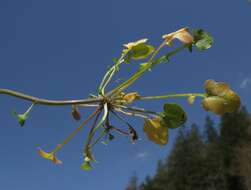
156, 131
173, 116
202, 39
86, 166
141, 51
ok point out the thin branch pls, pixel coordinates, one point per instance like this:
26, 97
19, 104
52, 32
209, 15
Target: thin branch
130, 113
172, 96
42, 101
72, 135
121, 118
139, 110
141, 71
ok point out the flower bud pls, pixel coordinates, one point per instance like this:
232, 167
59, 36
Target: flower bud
75, 113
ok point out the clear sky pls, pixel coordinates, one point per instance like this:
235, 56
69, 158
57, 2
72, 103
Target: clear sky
60, 49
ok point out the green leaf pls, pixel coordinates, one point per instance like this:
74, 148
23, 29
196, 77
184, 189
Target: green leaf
115, 60
21, 118
190, 48
202, 39
141, 51
110, 137
143, 66
173, 116
104, 143
86, 166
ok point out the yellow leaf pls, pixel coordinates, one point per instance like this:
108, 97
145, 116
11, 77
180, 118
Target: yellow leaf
49, 156
131, 97
183, 35
156, 131
88, 154
191, 99
220, 98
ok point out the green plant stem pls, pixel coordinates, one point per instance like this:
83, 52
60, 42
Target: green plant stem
121, 119
157, 50
171, 96
92, 132
130, 113
47, 102
138, 110
109, 74
166, 57
72, 135
108, 80
29, 109
103, 133
141, 71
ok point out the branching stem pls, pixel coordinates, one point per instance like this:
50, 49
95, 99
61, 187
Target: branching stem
47, 102
148, 66
72, 135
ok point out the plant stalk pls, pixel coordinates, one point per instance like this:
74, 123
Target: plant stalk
172, 96
141, 71
47, 102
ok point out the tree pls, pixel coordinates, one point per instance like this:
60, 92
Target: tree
212, 161
215, 178
133, 183
234, 134
244, 164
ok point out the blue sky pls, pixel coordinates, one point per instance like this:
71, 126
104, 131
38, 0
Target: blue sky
60, 49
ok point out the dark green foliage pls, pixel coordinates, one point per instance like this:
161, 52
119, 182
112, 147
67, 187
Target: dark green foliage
173, 116
218, 159
202, 39
234, 134
133, 183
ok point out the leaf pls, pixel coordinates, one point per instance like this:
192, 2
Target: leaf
190, 48
220, 98
191, 99
156, 131
49, 156
133, 134
104, 143
137, 50
86, 165
115, 60
202, 39
89, 155
21, 118
173, 116
110, 137
141, 51
131, 97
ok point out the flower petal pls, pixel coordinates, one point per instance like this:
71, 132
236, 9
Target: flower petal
133, 44
183, 35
